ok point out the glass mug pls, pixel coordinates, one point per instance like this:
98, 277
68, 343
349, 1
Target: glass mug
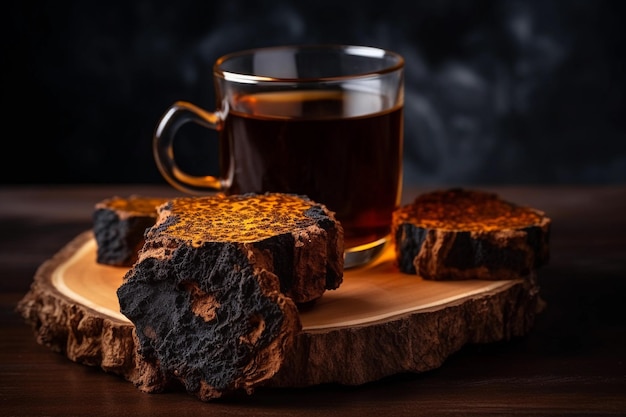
325, 121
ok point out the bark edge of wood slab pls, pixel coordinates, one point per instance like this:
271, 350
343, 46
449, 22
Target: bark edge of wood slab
413, 342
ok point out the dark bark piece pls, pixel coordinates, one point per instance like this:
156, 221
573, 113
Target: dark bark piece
119, 225
213, 294
468, 234
291, 236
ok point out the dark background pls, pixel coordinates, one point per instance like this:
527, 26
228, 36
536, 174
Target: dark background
514, 92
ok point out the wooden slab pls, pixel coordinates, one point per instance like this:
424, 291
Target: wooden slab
378, 323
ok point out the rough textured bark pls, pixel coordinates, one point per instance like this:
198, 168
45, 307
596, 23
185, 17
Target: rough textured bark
119, 224
412, 342
209, 320
458, 234
292, 237
83, 335
213, 294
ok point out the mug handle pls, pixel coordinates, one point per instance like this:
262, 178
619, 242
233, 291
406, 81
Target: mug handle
178, 114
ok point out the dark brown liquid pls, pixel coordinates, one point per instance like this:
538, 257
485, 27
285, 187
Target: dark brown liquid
337, 148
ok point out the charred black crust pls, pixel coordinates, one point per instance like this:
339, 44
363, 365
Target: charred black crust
409, 242
156, 298
118, 241
458, 234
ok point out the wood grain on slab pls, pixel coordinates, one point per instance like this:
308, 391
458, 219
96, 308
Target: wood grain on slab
380, 321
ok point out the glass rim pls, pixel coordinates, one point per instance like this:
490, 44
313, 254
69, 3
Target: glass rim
355, 50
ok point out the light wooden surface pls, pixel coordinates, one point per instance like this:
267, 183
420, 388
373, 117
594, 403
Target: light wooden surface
367, 295
379, 323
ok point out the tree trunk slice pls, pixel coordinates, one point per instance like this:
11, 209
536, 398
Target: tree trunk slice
380, 321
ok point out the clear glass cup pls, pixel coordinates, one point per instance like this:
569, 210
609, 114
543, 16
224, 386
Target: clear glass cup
325, 121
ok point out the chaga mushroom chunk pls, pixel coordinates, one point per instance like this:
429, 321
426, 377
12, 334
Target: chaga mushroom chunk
119, 225
469, 234
214, 293
209, 319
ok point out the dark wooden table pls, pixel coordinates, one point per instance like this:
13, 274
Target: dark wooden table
573, 362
